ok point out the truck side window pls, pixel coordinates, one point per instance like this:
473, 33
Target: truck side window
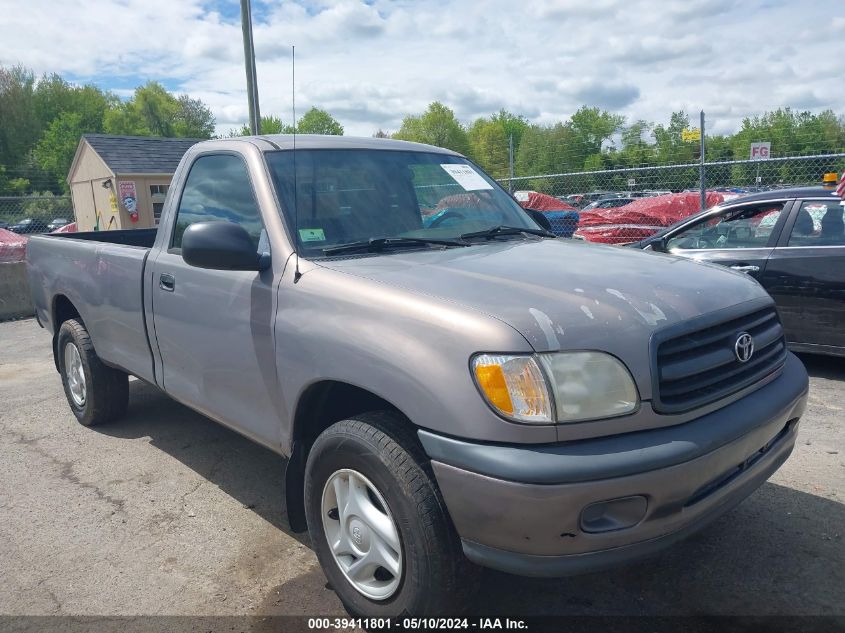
218, 188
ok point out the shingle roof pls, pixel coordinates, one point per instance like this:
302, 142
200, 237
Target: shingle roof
140, 154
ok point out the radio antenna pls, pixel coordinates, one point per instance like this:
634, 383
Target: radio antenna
296, 273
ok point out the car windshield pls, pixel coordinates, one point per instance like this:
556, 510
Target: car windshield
349, 196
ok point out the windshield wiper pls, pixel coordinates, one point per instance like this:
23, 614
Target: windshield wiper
377, 244
506, 230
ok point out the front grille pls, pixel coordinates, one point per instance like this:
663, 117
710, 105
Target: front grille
697, 367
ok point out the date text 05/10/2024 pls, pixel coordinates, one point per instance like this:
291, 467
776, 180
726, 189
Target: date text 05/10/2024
414, 624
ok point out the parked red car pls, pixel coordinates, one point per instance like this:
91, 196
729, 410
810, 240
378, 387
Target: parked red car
12, 246
641, 218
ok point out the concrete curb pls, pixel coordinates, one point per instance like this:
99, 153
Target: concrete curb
15, 297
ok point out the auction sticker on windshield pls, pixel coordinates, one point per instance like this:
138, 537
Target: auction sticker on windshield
466, 177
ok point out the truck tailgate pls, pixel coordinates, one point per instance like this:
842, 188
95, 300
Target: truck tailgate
104, 282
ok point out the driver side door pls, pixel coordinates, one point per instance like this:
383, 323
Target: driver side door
742, 237
214, 328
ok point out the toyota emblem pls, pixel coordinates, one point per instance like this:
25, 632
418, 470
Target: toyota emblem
744, 347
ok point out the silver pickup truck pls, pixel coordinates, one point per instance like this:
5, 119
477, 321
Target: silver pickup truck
449, 383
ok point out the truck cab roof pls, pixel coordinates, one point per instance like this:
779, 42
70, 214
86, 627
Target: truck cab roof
270, 142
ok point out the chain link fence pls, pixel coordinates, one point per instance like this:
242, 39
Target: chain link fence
614, 205
21, 216
627, 204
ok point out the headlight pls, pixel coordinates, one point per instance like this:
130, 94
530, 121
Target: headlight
589, 385
514, 386
582, 386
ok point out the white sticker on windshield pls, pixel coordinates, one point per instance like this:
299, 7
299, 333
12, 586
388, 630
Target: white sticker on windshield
466, 177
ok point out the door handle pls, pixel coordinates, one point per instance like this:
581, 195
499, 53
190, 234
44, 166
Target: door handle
167, 282
744, 268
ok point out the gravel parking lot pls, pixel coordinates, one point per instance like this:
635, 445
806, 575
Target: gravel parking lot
167, 513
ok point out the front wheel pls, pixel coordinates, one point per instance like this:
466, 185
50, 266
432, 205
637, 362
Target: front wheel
378, 523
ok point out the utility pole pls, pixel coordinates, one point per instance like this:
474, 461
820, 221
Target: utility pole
510, 163
249, 59
701, 175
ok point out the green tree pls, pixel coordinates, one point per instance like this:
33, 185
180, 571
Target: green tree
54, 96
65, 112
489, 140
513, 125
317, 121
790, 133
592, 128
833, 130
19, 125
47, 206
124, 118
193, 119
669, 146
153, 111
436, 126
636, 150
269, 125
489, 147
529, 156
41, 121
546, 150
157, 108
12, 186
58, 144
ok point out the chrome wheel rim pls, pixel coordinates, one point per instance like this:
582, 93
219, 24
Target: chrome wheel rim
362, 535
75, 375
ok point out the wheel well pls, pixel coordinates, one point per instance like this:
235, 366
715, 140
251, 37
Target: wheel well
321, 405
327, 402
63, 309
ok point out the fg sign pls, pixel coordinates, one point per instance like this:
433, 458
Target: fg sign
761, 151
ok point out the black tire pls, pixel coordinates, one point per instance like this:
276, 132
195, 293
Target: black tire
106, 389
437, 579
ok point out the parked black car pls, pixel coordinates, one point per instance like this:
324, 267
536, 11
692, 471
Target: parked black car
29, 225
58, 223
792, 241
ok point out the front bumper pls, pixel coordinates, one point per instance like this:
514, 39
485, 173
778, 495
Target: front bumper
520, 509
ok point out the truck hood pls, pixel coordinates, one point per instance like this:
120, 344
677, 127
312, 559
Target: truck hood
563, 294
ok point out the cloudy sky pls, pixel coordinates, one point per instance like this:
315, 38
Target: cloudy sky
370, 62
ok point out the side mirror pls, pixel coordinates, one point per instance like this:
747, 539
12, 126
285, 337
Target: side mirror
540, 218
660, 245
221, 246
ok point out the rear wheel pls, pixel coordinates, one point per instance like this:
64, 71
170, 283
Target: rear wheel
378, 523
95, 392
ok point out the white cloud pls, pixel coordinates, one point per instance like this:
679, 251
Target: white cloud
371, 63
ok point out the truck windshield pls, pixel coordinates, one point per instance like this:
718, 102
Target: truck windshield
349, 196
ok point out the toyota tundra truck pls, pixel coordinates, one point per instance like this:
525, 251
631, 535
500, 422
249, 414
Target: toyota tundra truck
450, 385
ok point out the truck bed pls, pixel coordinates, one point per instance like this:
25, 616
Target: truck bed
101, 275
129, 237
